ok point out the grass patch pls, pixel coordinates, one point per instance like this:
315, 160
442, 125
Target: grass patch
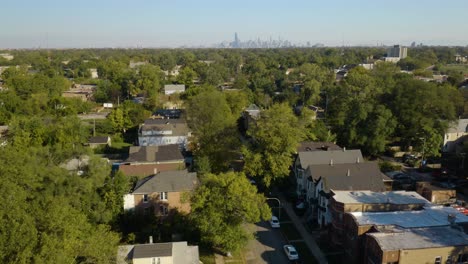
304, 253
290, 231
455, 67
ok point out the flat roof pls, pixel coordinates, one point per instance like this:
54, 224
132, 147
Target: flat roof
429, 216
369, 197
417, 238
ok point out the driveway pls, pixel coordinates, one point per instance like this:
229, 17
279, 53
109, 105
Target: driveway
267, 247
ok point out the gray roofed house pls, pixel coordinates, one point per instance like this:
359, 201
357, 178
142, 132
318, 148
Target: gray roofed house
369, 197
95, 142
174, 88
155, 132
172, 252
167, 181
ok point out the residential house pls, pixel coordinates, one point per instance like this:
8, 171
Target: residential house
144, 161
7, 56
157, 132
158, 253
173, 72
417, 245
317, 146
342, 202
101, 141
436, 194
358, 225
453, 138
94, 73
316, 156
461, 59
250, 115
322, 179
161, 193
82, 91
174, 88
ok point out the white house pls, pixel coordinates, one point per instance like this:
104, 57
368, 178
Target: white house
158, 132
158, 253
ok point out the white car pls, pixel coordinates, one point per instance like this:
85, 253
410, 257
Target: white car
291, 252
274, 222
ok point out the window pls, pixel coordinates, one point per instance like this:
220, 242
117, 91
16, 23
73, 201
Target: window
163, 196
156, 261
438, 260
145, 198
163, 210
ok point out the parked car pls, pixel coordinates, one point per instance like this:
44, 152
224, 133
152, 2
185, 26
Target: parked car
291, 252
274, 222
461, 209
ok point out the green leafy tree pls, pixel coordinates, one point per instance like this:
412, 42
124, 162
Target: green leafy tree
222, 205
276, 135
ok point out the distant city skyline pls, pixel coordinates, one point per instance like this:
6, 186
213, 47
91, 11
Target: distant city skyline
206, 23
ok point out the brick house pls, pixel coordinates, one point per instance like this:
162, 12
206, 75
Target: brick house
163, 192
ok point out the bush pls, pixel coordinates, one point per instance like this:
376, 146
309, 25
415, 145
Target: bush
386, 166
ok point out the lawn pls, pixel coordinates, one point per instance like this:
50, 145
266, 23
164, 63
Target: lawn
206, 256
290, 231
304, 253
456, 67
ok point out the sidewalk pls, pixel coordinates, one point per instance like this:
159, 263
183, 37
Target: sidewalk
308, 239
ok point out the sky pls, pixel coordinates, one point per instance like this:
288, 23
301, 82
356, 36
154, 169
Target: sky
175, 23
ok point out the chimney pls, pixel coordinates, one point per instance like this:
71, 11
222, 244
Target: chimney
331, 162
348, 173
344, 149
357, 160
155, 171
151, 239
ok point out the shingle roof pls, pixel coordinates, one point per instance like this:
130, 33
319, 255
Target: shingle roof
355, 176
459, 126
332, 156
418, 238
177, 126
154, 153
152, 250
167, 181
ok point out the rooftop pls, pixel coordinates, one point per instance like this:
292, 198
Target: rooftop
332, 156
152, 250
417, 238
174, 87
178, 127
154, 153
428, 217
353, 176
369, 197
167, 181
99, 140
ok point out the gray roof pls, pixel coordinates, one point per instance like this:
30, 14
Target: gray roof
177, 126
152, 250
429, 216
355, 176
154, 153
417, 238
317, 146
167, 181
332, 156
369, 197
174, 87
459, 126
252, 107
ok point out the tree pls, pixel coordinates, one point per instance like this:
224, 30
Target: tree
214, 127
276, 136
220, 207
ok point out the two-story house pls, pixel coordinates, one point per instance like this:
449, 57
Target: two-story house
454, 135
144, 161
157, 132
158, 253
162, 192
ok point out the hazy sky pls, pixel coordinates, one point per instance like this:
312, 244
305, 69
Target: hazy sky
155, 23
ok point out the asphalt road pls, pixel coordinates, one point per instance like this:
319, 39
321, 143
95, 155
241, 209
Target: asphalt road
267, 247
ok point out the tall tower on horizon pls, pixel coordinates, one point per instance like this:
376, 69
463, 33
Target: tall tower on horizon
236, 43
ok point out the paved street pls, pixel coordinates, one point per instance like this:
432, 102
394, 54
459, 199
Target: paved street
267, 247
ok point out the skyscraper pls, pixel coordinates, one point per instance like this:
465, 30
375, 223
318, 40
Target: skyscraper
236, 43
397, 51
